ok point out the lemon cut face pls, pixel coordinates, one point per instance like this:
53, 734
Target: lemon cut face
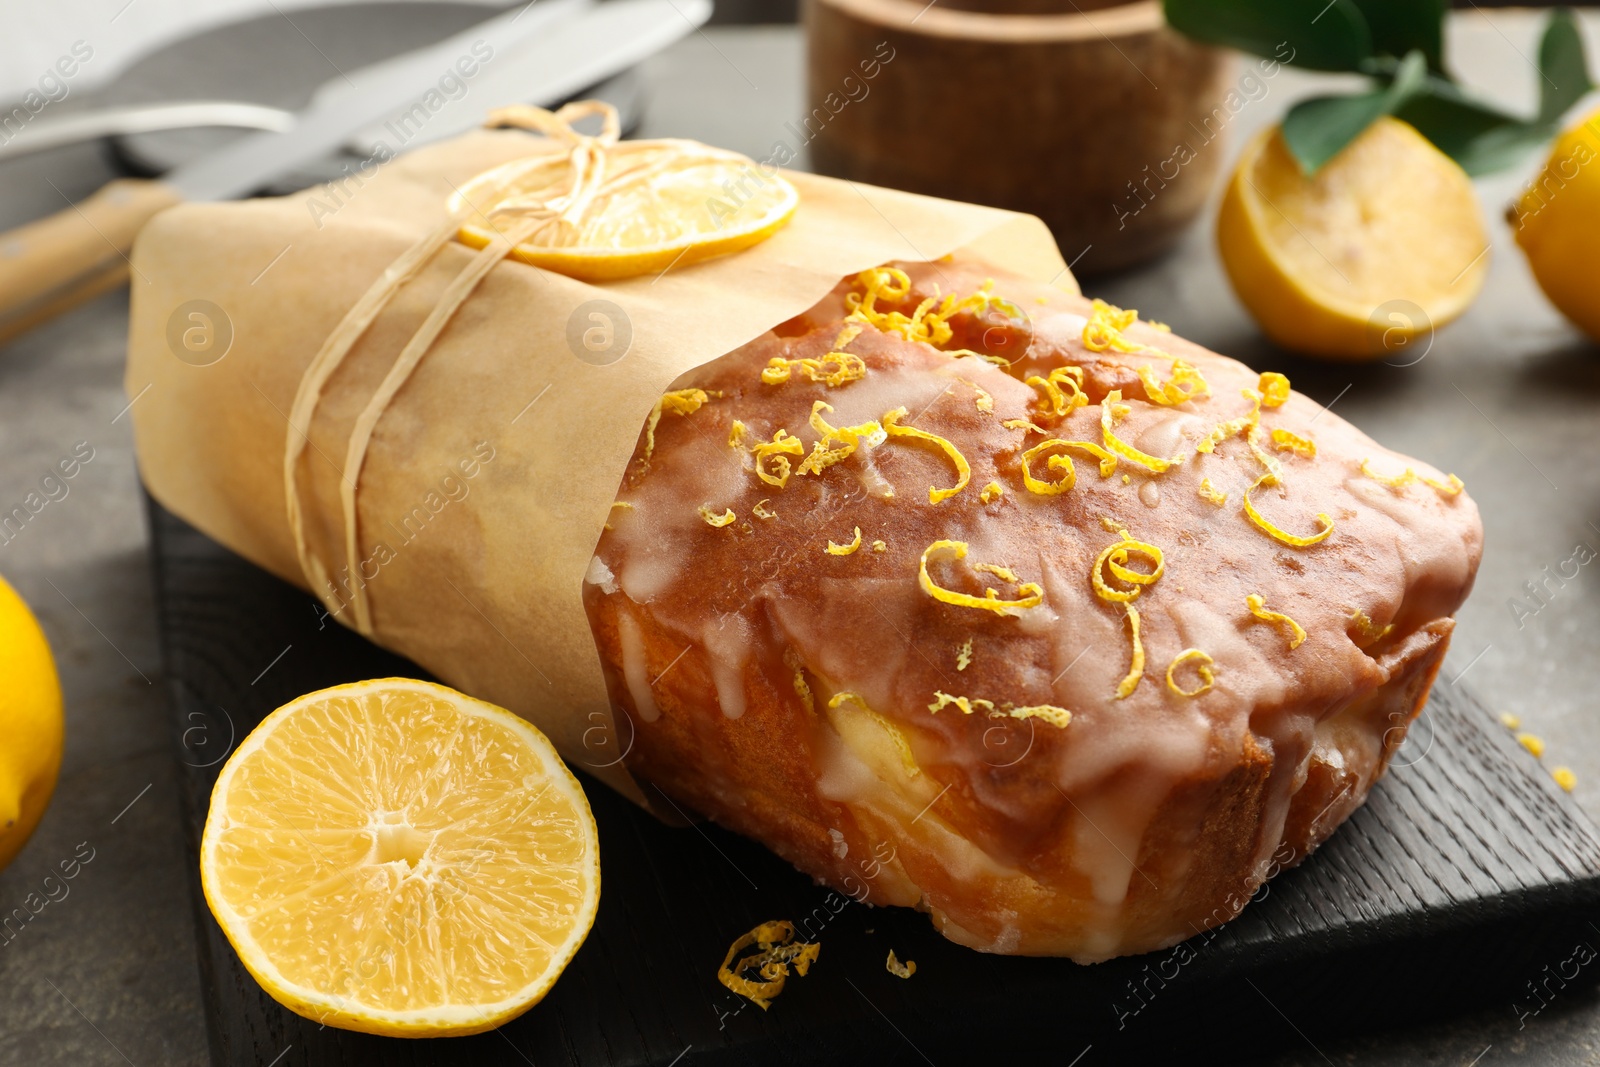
1383, 245
689, 203
394, 857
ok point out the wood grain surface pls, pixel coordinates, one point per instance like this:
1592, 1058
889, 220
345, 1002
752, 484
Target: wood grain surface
1466, 879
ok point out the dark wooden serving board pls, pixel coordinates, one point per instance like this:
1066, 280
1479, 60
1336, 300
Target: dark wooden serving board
1464, 876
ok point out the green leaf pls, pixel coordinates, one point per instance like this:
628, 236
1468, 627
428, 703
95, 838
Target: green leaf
1318, 129
1401, 26
1484, 139
1563, 70
1305, 33
1478, 136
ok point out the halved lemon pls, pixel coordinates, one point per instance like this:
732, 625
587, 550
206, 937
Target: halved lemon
664, 204
394, 857
1385, 244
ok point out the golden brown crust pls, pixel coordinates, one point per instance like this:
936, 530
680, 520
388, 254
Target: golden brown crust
1144, 819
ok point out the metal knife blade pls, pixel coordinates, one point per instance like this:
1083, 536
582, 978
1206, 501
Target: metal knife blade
349, 103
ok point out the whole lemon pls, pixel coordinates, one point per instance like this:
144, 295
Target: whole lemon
1557, 220
30, 723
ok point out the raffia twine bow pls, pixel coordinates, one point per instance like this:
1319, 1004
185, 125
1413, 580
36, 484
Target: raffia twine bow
543, 200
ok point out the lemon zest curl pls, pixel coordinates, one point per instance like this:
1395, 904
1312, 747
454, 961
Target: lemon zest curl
1030, 594
1207, 678
891, 426
1258, 607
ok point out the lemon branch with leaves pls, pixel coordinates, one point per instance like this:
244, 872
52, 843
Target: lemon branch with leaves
1400, 46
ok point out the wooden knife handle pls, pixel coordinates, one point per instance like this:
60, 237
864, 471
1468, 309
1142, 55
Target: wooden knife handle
59, 262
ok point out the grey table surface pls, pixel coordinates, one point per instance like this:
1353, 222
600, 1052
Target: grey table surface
1508, 398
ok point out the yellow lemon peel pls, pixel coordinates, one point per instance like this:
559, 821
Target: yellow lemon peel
1184, 383
1115, 558
678, 402
1369, 632
896, 735
927, 323
1207, 678
1051, 714
777, 951
1258, 607
761, 511
1285, 441
736, 433
1209, 492
1532, 743
1058, 402
898, 969
1031, 595
1565, 778
713, 519
1060, 462
1274, 388
1111, 409
964, 655
849, 437
1024, 424
802, 689
778, 450
1225, 430
879, 546
1102, 332
1278, 533
1451, 486
615, 504
983, 400
1136, 664
991, 492
891, 426
847, 367
845, 550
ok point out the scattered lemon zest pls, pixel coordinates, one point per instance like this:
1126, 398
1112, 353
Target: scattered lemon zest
1369, 631
1224, 430
679, 402
1031, 595
1207, 678
1185, 383
736, 432
1111, 409
898, 969
1115, 557
803, 689
964, 655
927, 323
615, 504
1059, 462
778, 950
1451, 486
778, 450
713, 519
1102, 332
984, 400
992, 492
1209, 492
1510, 721
1062, 403
1024, 424
1055, 716
847, 367
1285, 441
848, 333
897, 735
879, 546
1277, 533
845, 550
849, 437
891, 426
1532, 743
1154, 325
761, 511
1274, 388
1565, 778
1258, 607
1136, 666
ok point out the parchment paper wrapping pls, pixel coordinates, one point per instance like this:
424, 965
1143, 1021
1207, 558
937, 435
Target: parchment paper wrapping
491, 474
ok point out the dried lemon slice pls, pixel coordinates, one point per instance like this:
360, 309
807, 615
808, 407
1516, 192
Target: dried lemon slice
394, 857
622, 209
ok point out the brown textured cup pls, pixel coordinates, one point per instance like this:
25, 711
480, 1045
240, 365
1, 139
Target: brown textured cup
1097, 118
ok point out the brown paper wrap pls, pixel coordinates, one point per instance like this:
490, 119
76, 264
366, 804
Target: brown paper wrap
491, 473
